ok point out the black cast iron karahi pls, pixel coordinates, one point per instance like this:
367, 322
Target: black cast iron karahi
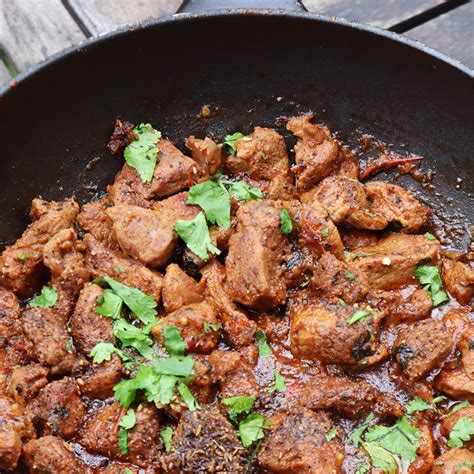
251, 66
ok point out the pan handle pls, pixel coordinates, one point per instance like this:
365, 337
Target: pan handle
200, 6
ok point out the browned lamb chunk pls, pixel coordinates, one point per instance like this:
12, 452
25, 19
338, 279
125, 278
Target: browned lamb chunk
327, 334
316, 232
21, 264
392, 262
103, 261
456, 384
88, 328
129, 189
346, 202
448, 423
355, 238
399, 308
205, 441
26, 381
297, 443
316, 151
58, 409
206, 153
260, 155
253, 264
93, 219
397, 205
425, 454
459, 280
179, 289
9, 316
234, 373
422, 347
238, 329
51, 454
191, 321
339, 280
47, 331
454, 461
122, 136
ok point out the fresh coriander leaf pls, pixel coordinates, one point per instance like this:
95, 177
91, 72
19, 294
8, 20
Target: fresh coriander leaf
430, 278
214, 200
102, 351
349, 275
458, 406
195, 234
263, 347
188, 397
251, 429
230, 141
174, 343
364, 469
325, 231
163, 389
286, 226
167, 435
358, 316
467, 463
356, 436
141, 154
110, 305
461, 432
305, 283
238, 405
22, 256
69, 345
279, 383
123, 440
418, 404
429, 236
341, 302
381, 458
211, 327
142, 305
131, 336
127, 471
180, 366
244, 192
331, 434
125, 392
46, 299
128, 420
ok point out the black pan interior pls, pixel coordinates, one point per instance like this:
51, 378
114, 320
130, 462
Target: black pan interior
251, 69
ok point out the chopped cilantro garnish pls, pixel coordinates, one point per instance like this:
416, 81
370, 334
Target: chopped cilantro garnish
251, 429
141, 154
46, 299
429, 236
211, 327
238, 405
132, 336
110, 305
461, 432
69, 345
430, 278
263, 347
286, 226
418, 404
331, 434
358, 316
126, 423
167, 435
458, 406
230, 141
22, 256
357, 435
188, 397
174, 342
325, 231
381, 458
349, 275
279, 383
103, 351
244, 192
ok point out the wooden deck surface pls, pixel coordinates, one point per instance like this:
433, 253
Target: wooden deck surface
32, 30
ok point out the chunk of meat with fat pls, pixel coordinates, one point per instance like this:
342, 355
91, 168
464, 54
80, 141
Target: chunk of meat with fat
205, 441
456, 384
26, 381
45, 328
129, 189
397, 205
62, 255
316, 232
260, 155
51, 454
103, 261
93, 219
254, 262
325, 334
354, 238
296, 443
58, 409
398, 308
422, 347
392, 262
450, 421
425, 453
454, 461
337, 280
9, 316
206, 153
21, 264
316, 151
179, 289
190, 320
459, 280
238, 329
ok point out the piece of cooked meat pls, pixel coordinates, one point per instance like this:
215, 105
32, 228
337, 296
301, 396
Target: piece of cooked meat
47, 331
207, 154
422, 347
26, 381
326, 334
254, 262
459, 280
9, 316
392, 262
296, 443
21, 264
447, 424
122, 136
129, 189
355, 238
103, 261
205, 441
316, 151
191, 321
454, 461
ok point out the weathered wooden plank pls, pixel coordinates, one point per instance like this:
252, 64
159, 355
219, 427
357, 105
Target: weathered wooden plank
32, 30
99, 16
451, 33
4, 74
385, 13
